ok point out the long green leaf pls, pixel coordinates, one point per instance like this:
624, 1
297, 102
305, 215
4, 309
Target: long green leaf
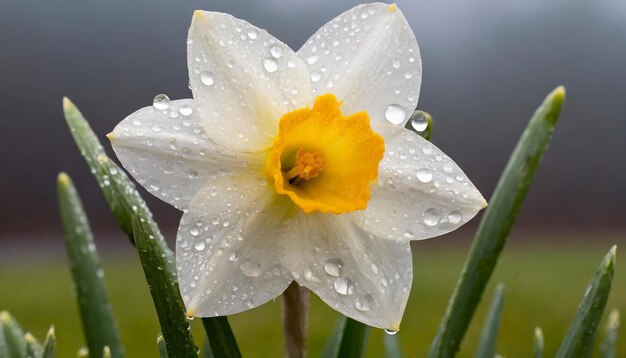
119, 192
487, 343
538, 343
348, 339
611, 332
161, 346
50, 344
33, 347
221, 340
96, 314
171, 311
496, 225
392, 346
13, 336
579, 339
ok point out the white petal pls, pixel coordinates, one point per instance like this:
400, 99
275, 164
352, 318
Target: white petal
368, 57
420, 192
226, 257
168, 152
361, 276
244, 80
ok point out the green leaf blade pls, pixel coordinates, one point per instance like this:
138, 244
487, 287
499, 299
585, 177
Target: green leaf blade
165, 294
349, 339
33, 347
538, 343
578, 341
161, 346
487, 343
221, 340
13, 335
392, 346
98, 322
50, 344
496, 225
611, 333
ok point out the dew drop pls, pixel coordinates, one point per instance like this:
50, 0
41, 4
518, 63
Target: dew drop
364, 303
448, 167
277, 51
250, 269
270, 65
161, 102
252, 34
419, 121
207, 78
156, 128
343, 286
424, 175
233, 257
333, 267
185, 110
454, 217
395, 114
312, 59
316, 76
431, 217
199, 245
391, 332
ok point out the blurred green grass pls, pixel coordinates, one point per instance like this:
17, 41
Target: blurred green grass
544, 284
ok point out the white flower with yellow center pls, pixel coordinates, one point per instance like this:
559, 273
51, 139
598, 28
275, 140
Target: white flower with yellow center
297, 166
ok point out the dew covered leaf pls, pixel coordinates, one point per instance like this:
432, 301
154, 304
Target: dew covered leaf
97, 318
496, 224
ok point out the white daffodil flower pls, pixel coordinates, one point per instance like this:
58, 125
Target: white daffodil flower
297, 166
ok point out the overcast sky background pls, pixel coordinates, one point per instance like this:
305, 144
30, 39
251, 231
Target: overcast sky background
486, 66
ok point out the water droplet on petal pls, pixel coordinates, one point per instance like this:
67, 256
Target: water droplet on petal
431, 217
185, 110
250, 269
156, 128
161, 102
277, 51
424, 175
419, 121
333, 267
343, 286
364, 303
199, 245
316, 76
270, 65
252, 34
454, 217
395, 114
207, 78
312, 59
391, 332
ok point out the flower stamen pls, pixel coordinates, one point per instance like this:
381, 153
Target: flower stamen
308, 166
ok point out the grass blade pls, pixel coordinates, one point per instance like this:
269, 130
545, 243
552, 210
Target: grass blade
165, 294
161, 346
392, 346
496, 225
487, 344
50, 344
83, 353
348, 339
538, 343
119, 191
611, 332
97, 318
579, 339
33, 347
221, 340
13, 336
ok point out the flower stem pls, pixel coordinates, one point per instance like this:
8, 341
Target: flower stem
295, 316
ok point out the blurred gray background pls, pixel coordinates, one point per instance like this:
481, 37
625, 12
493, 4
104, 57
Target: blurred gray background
487, 66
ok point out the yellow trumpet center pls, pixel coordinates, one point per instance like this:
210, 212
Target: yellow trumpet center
325, 161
